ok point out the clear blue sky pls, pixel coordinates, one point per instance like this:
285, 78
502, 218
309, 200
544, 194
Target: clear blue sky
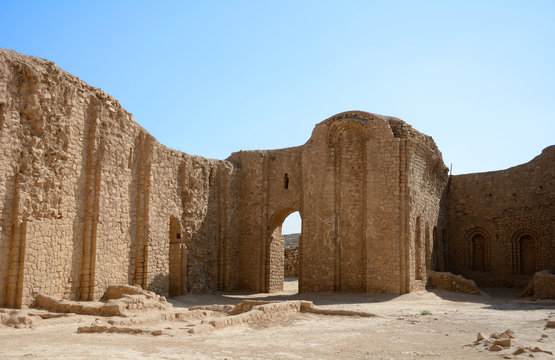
214, 77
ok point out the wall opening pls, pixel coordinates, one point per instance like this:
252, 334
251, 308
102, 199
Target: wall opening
291, 232
478, 253
283, 265
286, 181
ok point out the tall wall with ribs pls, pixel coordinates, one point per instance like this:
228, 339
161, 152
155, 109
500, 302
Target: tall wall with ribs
87, 195
357, 182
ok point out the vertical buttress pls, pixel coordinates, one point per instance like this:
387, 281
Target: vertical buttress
14, 288
144, 158
92, 204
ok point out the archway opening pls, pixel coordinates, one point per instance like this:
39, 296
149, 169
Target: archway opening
291, 231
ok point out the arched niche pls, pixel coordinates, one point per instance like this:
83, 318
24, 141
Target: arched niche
478, 250
526, 259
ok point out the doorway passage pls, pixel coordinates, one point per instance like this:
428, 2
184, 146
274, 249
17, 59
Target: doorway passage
291, 232
283, 252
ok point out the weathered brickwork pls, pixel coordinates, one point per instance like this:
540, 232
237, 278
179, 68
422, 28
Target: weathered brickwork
502, 223
357, 183
87, 195
89, 199
291, 260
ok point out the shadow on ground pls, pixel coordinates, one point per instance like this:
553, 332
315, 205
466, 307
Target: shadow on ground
492, 298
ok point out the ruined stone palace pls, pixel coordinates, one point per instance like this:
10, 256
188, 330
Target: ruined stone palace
89, 199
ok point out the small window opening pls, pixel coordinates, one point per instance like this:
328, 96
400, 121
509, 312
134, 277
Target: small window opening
178, 235
286, 181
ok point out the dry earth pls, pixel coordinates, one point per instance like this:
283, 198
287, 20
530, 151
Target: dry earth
421, 325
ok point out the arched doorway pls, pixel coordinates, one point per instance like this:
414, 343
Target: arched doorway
291, 232
478, 256
280, 243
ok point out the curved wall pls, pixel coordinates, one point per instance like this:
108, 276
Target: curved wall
514, 211
89, 199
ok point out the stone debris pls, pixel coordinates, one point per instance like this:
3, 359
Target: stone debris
537, 349
507, 334
452, 282
496, 347
496, 341
541, 286
526, 349
18, 319
502, 341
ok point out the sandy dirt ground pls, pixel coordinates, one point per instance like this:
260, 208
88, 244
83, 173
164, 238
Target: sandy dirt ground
421, 325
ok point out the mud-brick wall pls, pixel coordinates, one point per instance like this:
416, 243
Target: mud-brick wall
42, 113
354, 206
284, 196
427, 178
270, 189
501, 207
384, 245
195, 191
87, 194
250, 217
317, 256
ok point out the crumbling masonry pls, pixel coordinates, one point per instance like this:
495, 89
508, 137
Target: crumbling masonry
89, 199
